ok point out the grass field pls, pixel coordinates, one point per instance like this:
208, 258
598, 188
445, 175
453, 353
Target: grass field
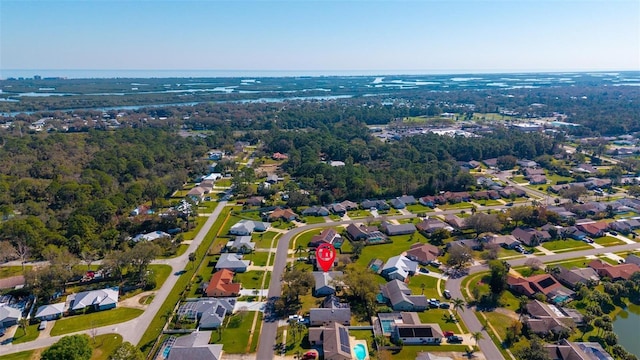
250, 279
461, 205
385, 251
441, 317
565, 245
430, 286
23, 355
358, 214
314, 219
258, 258
200, 220
235, 334
20, 336
97, 319
9, 271
418, 208
608, 241
263, 239
104, 345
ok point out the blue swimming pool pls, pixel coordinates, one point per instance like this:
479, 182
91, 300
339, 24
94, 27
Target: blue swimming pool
386, 326
360, 351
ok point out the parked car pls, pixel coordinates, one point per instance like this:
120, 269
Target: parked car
613, 233
509, 204
444, 305
43, 325
588, 240
454, 339
447, 294
424, 270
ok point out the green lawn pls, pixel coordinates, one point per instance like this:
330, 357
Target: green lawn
385, 251
263, 239
200, 220
161, 272
488, 202
430, 286
314, 219
23, 355
580, 263
258, 258
223, 182
499, 322
250, 279
104, 345
608, 241
9, 271
411, 352
554, 178
303, 238
358, 214
441, 317
460, 205
97, 319
565, 245
20, 336
235, 334
418, 208
519, 179
207, 207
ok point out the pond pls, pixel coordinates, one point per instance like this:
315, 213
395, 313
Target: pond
627, 326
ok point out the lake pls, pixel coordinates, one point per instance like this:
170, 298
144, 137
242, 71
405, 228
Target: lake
627, 326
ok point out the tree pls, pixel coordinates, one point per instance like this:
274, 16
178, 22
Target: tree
534, 264
499, 270
298, 282
7, 251
457, 304
438, 237
520, 213
535, 351
361, 284
356, 249
141, 256
75, 347
477, 336
296, 328
126, 351
459, 257
573, 192
506, 162
481, 222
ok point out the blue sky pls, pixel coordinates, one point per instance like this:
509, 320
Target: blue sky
438, 36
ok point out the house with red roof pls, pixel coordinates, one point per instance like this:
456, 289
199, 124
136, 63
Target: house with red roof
613, 272
222, 285
542, 283
595, 229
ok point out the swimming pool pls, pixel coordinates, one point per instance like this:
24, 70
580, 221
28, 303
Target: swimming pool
386, 326
360, 351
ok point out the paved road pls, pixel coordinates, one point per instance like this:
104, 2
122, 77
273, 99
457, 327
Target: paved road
133, 330
469, 317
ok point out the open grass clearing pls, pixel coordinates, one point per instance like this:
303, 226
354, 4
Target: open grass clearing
258, 258
31, 334
94, 320
608, 241
488, 202
104, 345
441, 317
430, 284
385, 251
263, 239
460, 205
9, 271
358, 214
250, 279
565, 244
22, 355
236, 333
418, 208
314, 219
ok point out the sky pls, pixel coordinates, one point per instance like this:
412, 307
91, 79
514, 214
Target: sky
432, 36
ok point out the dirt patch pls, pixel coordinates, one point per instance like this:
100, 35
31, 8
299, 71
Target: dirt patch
267, 169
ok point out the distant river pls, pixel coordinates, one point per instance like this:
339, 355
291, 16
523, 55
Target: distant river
627, 326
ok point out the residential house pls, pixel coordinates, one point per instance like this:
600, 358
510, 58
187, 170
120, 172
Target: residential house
527, 163
530, 237
50, 312
543, 283
408, 199
154, 235
491, 163
585, 168
233, 262
432, 201
473, 244
456, 222
537, 180
509, 191
325, 282
573, 233
9, 316
397, 204
506, 241
196, 194
423, 253
544, 318
486, 195
102, 299
349, 205
241, 245
209, 313
222, 285
315, 211
281, 214
632, 259
397, 229
272, 179
529, 172
279, 156
569, 350
368, 234
332, 310
215, 155
591, 208
613, 272
255, 201
561, 211
334, 339
594, 229
195, 346
411, 331
397, 294
247, 227
456, 197
430, 225
375, 204
399, 267
327, 236
620, 226
574, 276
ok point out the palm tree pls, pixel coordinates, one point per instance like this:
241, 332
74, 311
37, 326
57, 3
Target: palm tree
422, 286
457, 304
522, 305
477, 336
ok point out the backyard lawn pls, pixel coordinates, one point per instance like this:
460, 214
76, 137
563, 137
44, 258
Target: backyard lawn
250, 279
430, 286
385, 251
96, 319
235, 334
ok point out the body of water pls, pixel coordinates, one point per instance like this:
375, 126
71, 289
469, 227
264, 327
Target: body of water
627, 326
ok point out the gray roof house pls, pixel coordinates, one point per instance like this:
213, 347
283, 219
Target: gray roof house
399, 229
632, 259
9, 316
241, 244
246, 227
413, 332
544, 318
407, 199
332, 310
375, 204
210, 312
95, 299
399, 267
398, 295
325, 282
573, 277
397, 204
315, 211
569, 350
232, 262
195, 346
50, 312
334, 339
